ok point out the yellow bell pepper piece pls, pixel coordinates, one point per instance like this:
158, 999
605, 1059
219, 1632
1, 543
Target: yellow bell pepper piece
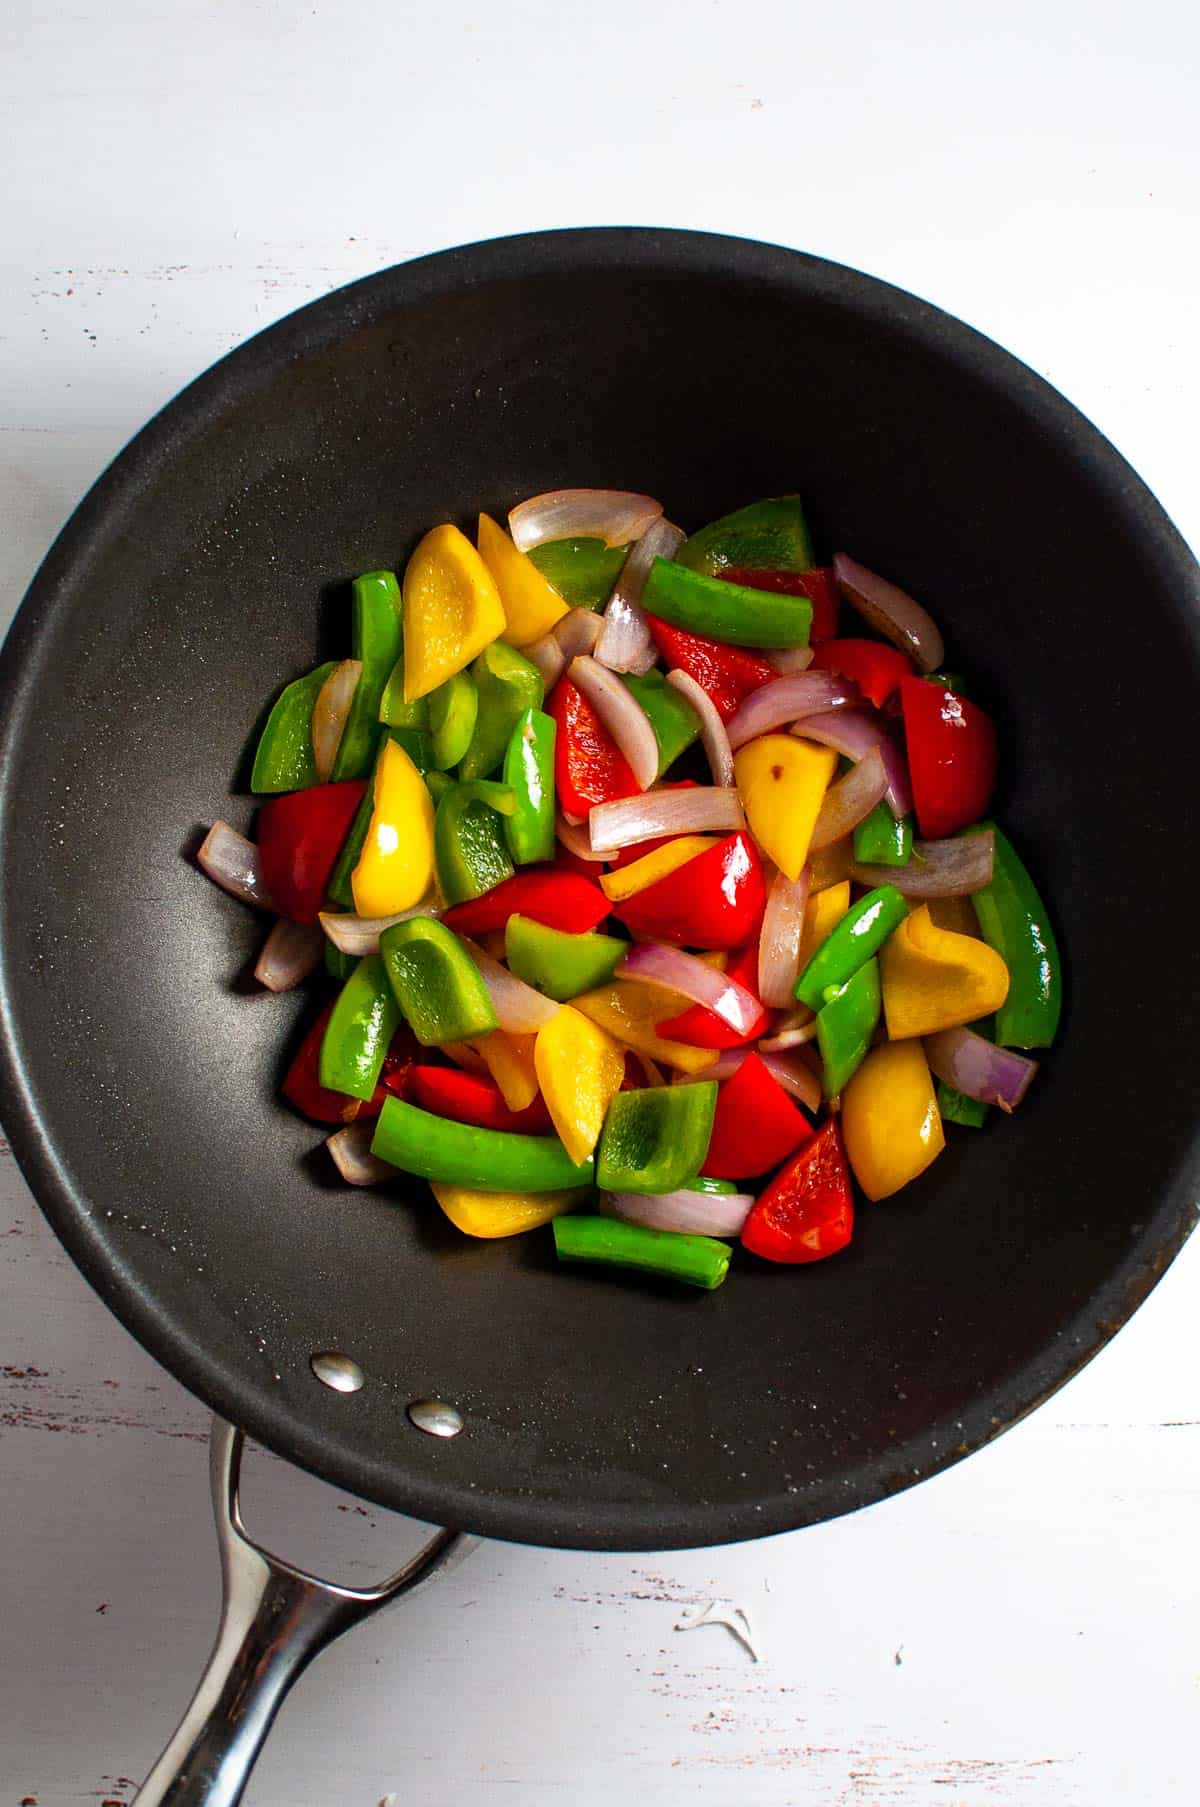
395, 867
503, 1213
782, 782
933, 979
452, 610
956, 914
531, 604
823, 911
627, 881
630, 1013
830, 865
579, 1067
509, 1060
890, 1122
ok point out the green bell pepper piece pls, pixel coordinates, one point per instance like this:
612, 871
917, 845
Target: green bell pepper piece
845, 1024
364, 1020
435, 982
676, 724
655, 1139
376, 639
882, 840
393, 710
468, 839
853, 941
711, 1188
955, 1107
529, 774
284, 759
723, 611
696, 1260
418, 744
765, 536
558, 964
492, 1160
338, 965
508, 684
583, 571
1013, 920
437, 784
453, 712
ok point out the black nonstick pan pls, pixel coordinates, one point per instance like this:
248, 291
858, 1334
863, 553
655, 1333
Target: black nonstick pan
138, 1074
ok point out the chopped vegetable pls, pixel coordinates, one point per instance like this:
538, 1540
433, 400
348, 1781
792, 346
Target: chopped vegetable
718, 994
875, 668
531, 604
1014, 921
723, 611
492, 1214
715, 901
588, 765
631, 1014
458, 1154
890, 1119
615, 516
284, 759
728, 674
560, 965
360, 1027
583, 570
508, 685
559, 900
882, 839
845, 1024
771, 535
452, 609
696, 1260
472, 856
579, 1067
951, 747
859, 935
817, 584
672, 809
933, 979
955, 868
667, 856
300, 836
709, 1028
473, 1098
782, 783
291, 951
529, 774
509, 1058
395, 867
435, 982
688, 1212
891, 611
453, 712
973, 1066
620, 712
376, 638
807, 1212
756, 1124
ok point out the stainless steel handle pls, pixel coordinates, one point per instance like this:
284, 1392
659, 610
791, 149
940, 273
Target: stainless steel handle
274, 1620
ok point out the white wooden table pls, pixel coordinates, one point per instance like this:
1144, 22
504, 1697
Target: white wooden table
1024, 1630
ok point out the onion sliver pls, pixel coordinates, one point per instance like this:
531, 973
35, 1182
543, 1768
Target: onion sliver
786, 700
329, 714
578, 632
704, 809
360, 934
975, 1066
627, 643
953, 868
891, 611
621, 714
779, 943
788, 660
691, 1213
854, 732
652, 964
549, 658
231, 861
351, 1151
615, 516
713, 735
574, 837
850, 799
793, 1037
520, 1010
290, 952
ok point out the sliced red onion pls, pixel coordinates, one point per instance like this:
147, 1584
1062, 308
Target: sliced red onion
692, 1213
652, 964
231, 861
793, 1035
291, 951
574, 837
627, 643
891, 611
615, 516
974, 1066
330, 711
621, 714
360, 934
854, 732
520, 1010
713, 735
953, 868
850, 799
788, 660
791, 1070
779, 943
577, 632
464, 1055
704, 809
549, 658
779, 704
351, 1151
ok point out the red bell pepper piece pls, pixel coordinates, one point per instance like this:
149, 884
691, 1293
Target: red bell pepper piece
560, 900
299, 838
589, 767
951, 757
472, 1098
703, 1028
807, 1211
302, 1087
728, 673
876, 669
817, 584
716, 900
756, 1124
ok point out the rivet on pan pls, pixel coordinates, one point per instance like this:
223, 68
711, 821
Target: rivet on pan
435, 1417
333, 1369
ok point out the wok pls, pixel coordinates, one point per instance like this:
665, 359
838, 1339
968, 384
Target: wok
138, 1075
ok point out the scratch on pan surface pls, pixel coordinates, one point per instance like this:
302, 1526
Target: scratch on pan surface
723, 1612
